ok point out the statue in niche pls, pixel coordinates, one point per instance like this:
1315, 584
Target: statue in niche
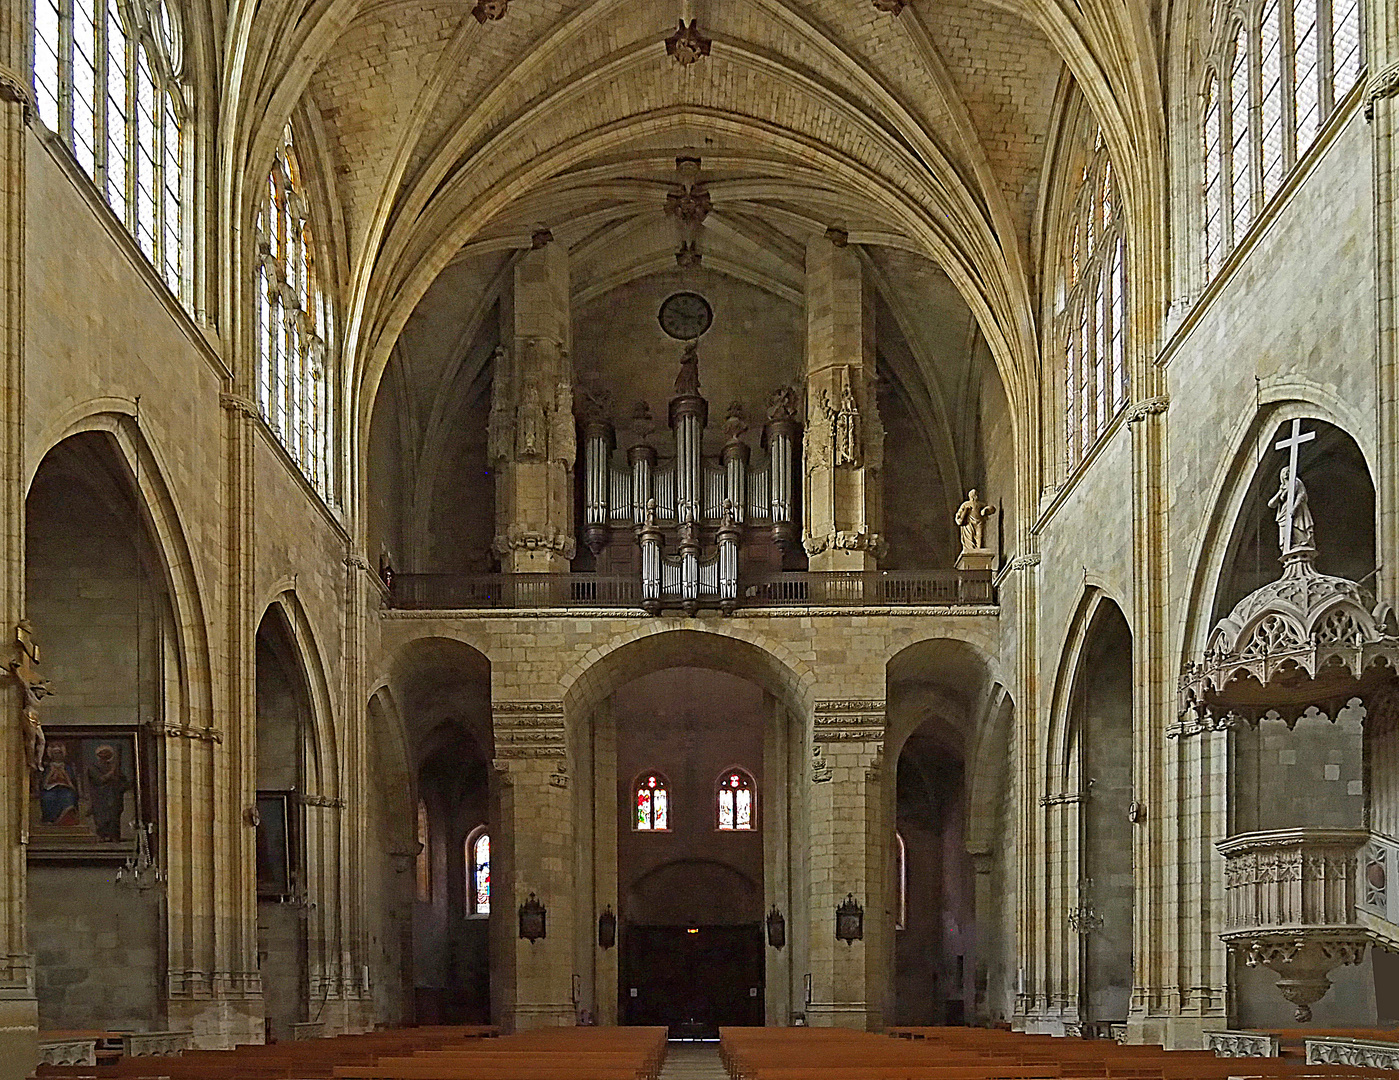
563, 436
847, 428
32, 690
1299, 531
687, 382
843, 422
533, 431
971, 521
499, 434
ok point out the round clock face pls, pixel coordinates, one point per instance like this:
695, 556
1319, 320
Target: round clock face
686, 315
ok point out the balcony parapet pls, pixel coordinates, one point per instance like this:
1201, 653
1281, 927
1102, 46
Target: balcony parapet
833, 589
1291, 899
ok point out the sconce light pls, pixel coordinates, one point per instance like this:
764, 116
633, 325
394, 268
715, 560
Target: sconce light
532, 919
607, 928
777, 928
850, 920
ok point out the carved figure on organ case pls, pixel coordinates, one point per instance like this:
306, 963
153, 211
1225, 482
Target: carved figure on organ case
971, 522
1296, 529
687, 382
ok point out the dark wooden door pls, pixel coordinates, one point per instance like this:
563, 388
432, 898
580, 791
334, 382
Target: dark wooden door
692, 980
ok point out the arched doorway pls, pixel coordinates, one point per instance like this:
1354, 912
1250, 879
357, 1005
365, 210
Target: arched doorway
99, 602
439, 689
691, 890
703, 714
286, 771
1100, 733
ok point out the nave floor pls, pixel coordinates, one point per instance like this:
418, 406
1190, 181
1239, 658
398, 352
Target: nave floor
693, 1061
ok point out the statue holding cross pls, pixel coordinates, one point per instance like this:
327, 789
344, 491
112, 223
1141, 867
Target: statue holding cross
1296, 530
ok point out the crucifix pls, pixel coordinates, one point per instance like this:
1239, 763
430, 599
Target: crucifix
1292, 444
33, 690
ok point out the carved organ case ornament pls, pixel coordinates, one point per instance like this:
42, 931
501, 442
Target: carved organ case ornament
689, 513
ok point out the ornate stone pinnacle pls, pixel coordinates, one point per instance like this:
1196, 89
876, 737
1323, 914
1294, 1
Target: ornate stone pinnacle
687, 44
490, 10
688, 256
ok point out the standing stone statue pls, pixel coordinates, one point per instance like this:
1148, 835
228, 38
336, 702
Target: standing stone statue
971, 520
1300, 531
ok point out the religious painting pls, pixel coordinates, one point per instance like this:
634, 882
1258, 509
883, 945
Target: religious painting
274, 844
85, 798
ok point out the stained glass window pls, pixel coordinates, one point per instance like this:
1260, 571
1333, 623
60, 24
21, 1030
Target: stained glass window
296, 375
1259, 120
478, 861
112, 89
1093, 286
736, 809
652, 803
424, 863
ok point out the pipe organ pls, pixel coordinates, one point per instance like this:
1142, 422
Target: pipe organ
690, 513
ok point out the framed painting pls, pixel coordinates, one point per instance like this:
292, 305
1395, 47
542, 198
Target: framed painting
274, 844
85, 800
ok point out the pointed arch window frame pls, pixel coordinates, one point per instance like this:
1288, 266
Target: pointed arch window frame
422, 863
732, 809
1090, 319
1274, 75
294, 329
652, 810
475, 908
108, 78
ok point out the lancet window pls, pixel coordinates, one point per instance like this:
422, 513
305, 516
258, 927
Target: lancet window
736, 805
1276, 71
1092, 323
652, 803
295, 383
107, 79
478, 870
424, 862
901, 881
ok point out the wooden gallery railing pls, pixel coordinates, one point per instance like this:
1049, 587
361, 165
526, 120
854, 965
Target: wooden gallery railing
855, 589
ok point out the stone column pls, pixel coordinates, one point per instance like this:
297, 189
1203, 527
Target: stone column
1382, 106
844, 449
848, 858
19, 1012
537, 823
532, 440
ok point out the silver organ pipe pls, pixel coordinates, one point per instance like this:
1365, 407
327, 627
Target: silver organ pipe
781, 441
597, 482
642, 459
735, 459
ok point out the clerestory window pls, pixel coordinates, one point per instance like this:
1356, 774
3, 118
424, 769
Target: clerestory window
1277, 70
295, 374
107, 79
1092, 324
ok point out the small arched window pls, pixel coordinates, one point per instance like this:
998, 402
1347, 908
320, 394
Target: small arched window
424, 863
652, 803
478, 870
1259, 119
295, 375
901, 881
108, 80
737, 807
